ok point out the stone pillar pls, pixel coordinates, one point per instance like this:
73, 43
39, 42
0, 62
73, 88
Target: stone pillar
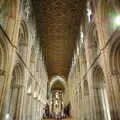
33, 109
37, 110
18, 103
101, 103
12, 29
25, 102
77, 103
92, 106
2, 87
115, 96
82, 109
12, 106
86, 107
98, 110
28, 107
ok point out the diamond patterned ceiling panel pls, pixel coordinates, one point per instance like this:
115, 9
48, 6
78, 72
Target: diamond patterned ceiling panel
58, 24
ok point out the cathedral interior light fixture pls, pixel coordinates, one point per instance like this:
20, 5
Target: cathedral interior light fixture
29, 91
39, 98
7, 116
117, 20
35, 95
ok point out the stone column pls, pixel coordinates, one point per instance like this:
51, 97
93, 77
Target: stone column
23, 103
101, 103
37, 109
12, 29
28, 107
33, 108
2, 87
79, 102
18, 106
98, 110
86, 107
115, 94
12, 102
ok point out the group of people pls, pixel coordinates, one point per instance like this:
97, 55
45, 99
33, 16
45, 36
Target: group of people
54, 116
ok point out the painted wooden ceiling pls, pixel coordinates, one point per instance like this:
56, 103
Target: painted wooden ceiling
58, 23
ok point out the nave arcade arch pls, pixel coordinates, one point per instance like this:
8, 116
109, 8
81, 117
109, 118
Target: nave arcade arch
100, 94
15, 93
114, 60
114, 65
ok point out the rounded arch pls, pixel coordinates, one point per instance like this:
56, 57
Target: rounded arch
98, 76
58, 85
56, 79
64, 84
86, 88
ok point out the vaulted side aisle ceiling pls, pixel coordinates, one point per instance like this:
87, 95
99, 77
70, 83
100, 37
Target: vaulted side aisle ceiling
58, 24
